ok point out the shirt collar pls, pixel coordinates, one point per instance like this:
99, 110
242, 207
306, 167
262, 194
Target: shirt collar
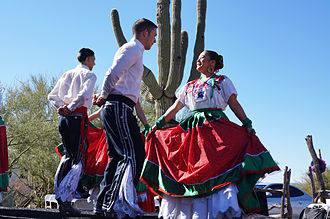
138, 43
83, 66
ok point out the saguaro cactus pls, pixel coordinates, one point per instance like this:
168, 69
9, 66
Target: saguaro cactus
172, 46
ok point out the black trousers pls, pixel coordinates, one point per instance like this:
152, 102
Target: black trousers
70, 130
124, 145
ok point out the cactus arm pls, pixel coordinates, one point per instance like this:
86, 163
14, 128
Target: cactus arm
163, 41
174, 76
184, 47
199, 43
150, 81
121, 40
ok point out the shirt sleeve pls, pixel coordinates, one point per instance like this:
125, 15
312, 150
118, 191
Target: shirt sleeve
228, 88
86, 93
181, 94
53, 96
124, 59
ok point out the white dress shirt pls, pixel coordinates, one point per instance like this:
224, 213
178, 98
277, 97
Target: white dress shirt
75, 88
125, 75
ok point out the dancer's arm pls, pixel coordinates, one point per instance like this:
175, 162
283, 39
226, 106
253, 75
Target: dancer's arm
95, 115
236, 107
140, 113
171, 112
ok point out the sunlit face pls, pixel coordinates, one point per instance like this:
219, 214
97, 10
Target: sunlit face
90, 62
150, 38
203, 63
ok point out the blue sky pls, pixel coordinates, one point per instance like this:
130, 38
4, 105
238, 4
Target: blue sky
276, 53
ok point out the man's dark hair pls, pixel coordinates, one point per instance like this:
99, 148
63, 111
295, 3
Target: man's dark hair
142, 24
83, 54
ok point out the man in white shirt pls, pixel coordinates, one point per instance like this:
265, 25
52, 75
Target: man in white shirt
120, 94
72, 96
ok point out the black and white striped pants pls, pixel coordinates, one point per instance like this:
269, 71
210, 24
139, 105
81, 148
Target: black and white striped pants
124, 144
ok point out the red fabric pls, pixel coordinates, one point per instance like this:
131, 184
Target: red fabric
201, 153
58, 152
149, 204
97, 160
3, 153
97, 156
3, 150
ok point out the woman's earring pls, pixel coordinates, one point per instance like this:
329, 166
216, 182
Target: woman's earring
210, 69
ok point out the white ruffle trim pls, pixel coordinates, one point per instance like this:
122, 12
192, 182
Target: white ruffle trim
66, 189
142, 197
223, 204
93, 192
126, 203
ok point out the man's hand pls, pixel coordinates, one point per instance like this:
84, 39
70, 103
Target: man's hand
98, 100
95, 96
63, 110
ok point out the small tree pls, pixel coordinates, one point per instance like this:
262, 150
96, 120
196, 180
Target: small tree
32, 132
305, 182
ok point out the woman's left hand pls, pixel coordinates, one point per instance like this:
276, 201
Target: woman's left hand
250, 130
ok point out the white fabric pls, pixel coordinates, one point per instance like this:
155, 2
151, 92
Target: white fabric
93, 192
142, 197
0, 198
67, 188
75, 88
126, 203
223, 204
188, 94
125, 75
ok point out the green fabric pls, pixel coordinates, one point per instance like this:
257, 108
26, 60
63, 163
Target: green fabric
160, 123
170, 186
245, 175
147, 129
60, 149
247, 123
4, 181
1, 121
198, 117
141, 187
91, 181
92, 125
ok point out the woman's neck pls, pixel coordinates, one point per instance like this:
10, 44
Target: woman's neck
205, 76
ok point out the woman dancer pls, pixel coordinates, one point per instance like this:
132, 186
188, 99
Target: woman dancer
206, 166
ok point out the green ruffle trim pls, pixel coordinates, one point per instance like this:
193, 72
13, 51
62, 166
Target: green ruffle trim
141, 187
91, 181
4, 181
246, 174
198, 117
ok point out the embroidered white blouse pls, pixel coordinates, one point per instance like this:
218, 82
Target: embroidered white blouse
214, 92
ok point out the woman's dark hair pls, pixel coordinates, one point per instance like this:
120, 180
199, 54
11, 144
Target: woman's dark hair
83, 54
142, 24
218, 59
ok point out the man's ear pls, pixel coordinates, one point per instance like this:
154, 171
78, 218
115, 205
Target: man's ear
88, 58
145, 33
